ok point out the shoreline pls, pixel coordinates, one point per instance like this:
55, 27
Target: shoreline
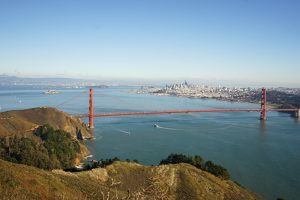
269, 106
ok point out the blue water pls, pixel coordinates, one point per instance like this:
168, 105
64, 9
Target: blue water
262, 157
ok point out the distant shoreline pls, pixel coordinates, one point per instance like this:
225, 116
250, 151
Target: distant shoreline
269, 105
286, 98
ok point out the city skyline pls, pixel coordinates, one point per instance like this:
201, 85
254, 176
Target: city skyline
239, 41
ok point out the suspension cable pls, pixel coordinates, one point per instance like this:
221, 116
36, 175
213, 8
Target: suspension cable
70, 99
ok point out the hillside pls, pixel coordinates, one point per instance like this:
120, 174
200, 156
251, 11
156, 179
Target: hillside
120, 180
43, 137
25, 139
26, 121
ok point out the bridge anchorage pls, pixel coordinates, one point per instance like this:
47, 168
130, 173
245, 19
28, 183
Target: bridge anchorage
263, 110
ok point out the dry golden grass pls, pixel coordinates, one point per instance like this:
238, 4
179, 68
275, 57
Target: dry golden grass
25, 121
120, 180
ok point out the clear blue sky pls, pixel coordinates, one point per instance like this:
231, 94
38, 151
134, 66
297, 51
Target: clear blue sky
250, 40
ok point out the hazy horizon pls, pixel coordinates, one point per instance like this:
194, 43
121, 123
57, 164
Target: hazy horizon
241, 42
159, 82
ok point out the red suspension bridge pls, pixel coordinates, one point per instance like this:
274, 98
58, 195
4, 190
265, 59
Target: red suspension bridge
262, 110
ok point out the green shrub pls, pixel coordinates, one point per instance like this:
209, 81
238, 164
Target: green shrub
216, 170
59, 144
198, 162
52, 149
25, 151
176, 158
104, 163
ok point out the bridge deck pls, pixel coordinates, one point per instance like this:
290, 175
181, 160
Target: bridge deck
184, 111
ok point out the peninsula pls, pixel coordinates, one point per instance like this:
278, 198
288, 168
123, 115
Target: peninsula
278, 97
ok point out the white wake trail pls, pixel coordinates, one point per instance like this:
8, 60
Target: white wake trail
122, 131
98, 138
167, 128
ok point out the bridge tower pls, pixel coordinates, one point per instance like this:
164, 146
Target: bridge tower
91, 109
297, 114
263, 104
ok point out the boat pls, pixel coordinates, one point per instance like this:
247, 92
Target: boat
51, 92
155, 125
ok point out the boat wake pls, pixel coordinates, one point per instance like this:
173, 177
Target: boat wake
122, 131
167, 128
97, 139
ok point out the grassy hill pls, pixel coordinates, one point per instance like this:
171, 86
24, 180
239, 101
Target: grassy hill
25, 121
120, 180
42, 137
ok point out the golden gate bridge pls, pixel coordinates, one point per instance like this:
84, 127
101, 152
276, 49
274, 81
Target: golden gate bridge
262, 110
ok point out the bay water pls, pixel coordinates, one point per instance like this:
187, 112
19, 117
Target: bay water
263, 157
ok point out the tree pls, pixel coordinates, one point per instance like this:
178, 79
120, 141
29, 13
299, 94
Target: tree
217, 170
198, 162
176, 158
48, 149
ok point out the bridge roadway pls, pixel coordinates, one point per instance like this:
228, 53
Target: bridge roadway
183, 111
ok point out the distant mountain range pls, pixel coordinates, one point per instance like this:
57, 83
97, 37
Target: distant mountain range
6, 80
14, 80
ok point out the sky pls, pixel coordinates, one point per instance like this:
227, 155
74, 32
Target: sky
255, 41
